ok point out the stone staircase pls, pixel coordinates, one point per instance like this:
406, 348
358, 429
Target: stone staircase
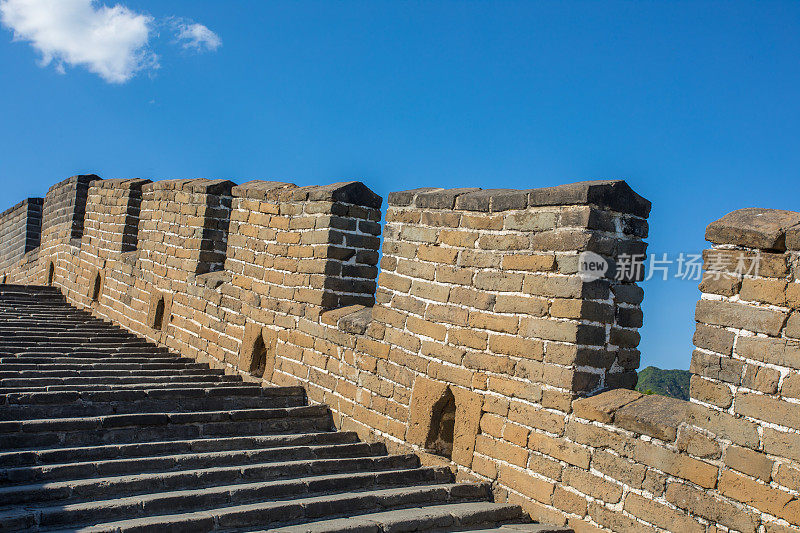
101, 430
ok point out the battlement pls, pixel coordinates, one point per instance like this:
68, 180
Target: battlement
482, 344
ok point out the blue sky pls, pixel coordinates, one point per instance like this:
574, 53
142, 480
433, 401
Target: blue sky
695, 104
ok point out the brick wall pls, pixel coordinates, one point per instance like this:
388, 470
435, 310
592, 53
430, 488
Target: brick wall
482, 347
21, 228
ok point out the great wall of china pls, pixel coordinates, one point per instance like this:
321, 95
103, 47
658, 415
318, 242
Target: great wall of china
472, 341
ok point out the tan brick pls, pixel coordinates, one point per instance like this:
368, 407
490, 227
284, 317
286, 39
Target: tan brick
761, 378
426, 328
553, 286
616, 521
393, 282
508, 303
593, 485
440, 218
531, 220
479, 259
710, 392
449, 314
710, 507
517, 346
504, 242
416, 269
661, 515
769, 291
768, 264
530, 262
749, 462
476, 340
500, 449
437, 254
456, 275
503, 324
418, 234
762, 407
713, 283
524, 483
561, 449
515, 434
563, 331
471, 298
569, 501
769, 350
697, 444
782, 444
739, 315
558, 399
678, 465
489, 363
793, 294
529, 415
762, 497
581, 309
462, 239
787, 476
791, 386
484, 467
793, 325
740, 431
619, 468
482, 222
498, 281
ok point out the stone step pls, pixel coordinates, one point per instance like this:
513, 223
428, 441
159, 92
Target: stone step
9, 364
86, 490
78, 408
267, 513
453, 517
49, 456
234, 385
143, 394
100, 359
99, 423
102, 430
238, 494
41, 382
94, 373
526, 528
29, 484
161, 426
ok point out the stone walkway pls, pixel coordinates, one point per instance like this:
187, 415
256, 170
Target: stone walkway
101, 430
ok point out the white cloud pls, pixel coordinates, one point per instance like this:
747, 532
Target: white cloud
196, 36
109, 41
113, 42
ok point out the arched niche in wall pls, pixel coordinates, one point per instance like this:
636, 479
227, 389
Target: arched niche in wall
441, 428
444, 419
51, 274
95, 285
257, 351
159, 312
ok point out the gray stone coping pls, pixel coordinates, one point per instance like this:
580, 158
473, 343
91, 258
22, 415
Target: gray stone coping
612, 194
763, 229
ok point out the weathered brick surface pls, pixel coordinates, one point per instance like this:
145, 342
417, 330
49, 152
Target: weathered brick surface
21, 228
478, 297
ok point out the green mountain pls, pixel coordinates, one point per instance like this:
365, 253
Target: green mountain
673, 383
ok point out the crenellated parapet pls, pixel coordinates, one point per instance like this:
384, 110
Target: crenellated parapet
21, 229
485, 344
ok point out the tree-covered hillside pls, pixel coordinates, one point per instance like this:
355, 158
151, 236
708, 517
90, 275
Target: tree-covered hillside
673, 383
